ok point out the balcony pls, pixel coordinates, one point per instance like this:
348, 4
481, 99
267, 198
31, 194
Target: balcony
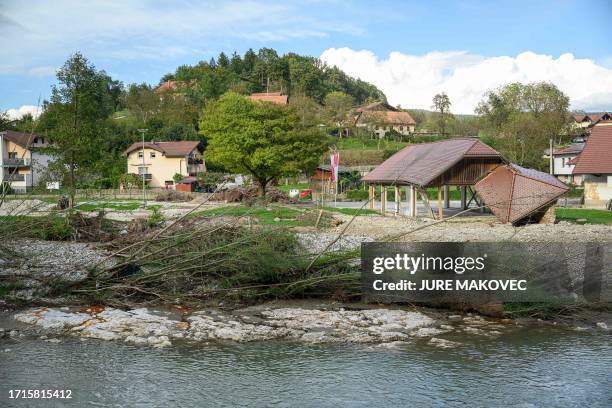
10, 177
146, 176
193, 160
12, 162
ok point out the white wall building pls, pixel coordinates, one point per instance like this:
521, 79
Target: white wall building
23, 162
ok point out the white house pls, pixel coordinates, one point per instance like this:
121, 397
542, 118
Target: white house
22, 161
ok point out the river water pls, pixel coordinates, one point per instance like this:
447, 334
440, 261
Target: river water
539, 367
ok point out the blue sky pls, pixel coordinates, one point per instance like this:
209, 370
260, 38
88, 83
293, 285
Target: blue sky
448, 42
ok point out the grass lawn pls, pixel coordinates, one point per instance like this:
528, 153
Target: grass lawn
288, 216
299, 186
379, 144
351, 211
591, 216
265, 215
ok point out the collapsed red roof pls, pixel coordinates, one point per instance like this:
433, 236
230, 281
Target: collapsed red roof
513, 192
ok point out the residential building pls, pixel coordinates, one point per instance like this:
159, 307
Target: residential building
380, 118
594, 164
563, 163
159, 162
23, 161
274, 97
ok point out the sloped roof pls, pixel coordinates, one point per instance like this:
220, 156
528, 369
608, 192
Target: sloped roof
387, 117
596, 158
571, 149
513, 192
167, 86
24, 140
376, 106
169, 149
275, 97
420, 164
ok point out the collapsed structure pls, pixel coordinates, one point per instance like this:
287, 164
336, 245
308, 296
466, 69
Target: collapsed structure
472, 166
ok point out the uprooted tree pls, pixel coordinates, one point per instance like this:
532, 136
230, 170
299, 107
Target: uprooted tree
259, 138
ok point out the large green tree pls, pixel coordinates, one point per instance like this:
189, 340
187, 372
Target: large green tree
520, 119
264, 140
441, 105
337, 108
75, 118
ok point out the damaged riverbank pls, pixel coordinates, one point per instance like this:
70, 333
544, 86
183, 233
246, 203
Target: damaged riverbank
306, 322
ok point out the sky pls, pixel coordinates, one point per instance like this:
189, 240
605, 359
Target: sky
411, 50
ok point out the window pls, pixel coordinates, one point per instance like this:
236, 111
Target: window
140, 154
35, 140
142, 170
12, 155
152, 155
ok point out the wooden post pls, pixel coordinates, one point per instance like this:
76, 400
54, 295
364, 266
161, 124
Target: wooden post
398, 196
439, 203
383, 199
371, 196
463, 198
446, 197
413, 202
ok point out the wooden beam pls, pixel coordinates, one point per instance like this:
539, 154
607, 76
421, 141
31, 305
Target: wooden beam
446, 197
413, 202
371, 196
439, 203
463, 198
398, 196
383, 199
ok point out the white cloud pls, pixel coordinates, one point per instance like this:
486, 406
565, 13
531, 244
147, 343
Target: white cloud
413, 80
42, 71
14, 114
44, 33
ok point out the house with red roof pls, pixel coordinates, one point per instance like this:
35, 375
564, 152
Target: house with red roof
274, 97
380, 118
159, 162
563, 163
594, 164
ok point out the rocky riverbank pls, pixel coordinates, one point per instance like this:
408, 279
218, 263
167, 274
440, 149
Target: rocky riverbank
160, 328
303, 322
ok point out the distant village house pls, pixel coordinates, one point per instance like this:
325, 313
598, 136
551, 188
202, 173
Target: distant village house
159, 162
594, 164
274, 97
381, 118
22, 163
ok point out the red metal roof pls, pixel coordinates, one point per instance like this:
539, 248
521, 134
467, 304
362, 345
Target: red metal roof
596, 158
420, 164
275, 97
169, 149
513, 192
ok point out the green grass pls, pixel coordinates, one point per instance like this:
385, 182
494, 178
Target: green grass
298, 186
115, 206
265, 215
351, 211
591, 216
379, 144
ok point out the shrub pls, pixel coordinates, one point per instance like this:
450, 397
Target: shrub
357, 195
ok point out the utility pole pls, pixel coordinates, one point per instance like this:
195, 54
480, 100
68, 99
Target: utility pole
550, 155
144, 185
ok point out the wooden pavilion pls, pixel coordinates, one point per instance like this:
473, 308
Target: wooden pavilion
458, 162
